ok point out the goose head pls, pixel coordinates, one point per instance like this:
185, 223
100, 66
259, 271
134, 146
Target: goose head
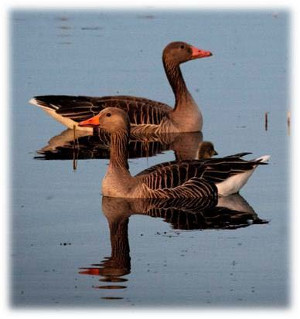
111, 119
206, 150
180, 52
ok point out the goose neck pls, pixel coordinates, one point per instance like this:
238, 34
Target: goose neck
174, 75
119, 151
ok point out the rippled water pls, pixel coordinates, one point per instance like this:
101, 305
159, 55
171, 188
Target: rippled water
70, 246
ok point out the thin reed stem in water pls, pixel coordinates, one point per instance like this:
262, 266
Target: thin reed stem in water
74, 148
266, 121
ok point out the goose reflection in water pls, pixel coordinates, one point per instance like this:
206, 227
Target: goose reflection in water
96, 145
230, 213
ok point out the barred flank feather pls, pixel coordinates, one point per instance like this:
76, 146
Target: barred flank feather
176, 179
214, 170
193, 188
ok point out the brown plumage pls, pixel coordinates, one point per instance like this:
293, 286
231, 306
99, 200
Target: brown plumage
145, 115
206, 150
186, 179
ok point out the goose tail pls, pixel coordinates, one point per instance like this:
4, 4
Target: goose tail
233, 184
43, 102
263, 159
33, 101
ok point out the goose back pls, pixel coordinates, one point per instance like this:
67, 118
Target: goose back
213, 170
185, 117
80, 108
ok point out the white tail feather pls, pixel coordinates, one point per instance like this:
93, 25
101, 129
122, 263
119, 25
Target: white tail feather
234, 183
33, 101
69, 123
263, 158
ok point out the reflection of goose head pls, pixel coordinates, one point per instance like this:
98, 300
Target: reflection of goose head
206, 150
118, 264
189, 214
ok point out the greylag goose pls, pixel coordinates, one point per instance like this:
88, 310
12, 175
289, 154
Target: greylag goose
145, 115
177, 179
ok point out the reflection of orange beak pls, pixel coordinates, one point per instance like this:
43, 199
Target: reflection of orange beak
198, 53
90, 271
93, 121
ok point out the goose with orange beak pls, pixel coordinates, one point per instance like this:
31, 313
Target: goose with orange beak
205, 178
147, 116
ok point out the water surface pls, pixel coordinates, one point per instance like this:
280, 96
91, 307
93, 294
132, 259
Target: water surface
64, 239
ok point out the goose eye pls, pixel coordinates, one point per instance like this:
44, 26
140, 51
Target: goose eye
108, 114
182, 46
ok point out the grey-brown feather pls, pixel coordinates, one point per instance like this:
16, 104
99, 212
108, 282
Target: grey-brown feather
192, 188
80, 108
213, 170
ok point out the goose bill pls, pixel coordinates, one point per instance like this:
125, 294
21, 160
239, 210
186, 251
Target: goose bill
93, 121
198, 53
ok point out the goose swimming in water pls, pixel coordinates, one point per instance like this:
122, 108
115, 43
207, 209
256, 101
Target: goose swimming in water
206, 150
146, 116
177, 179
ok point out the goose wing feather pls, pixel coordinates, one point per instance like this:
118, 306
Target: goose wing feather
143, 130
238, 155
213, 170
193, 188
80, 108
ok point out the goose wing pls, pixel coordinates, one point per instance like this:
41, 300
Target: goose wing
213, 170
193, 188
170, 174
238, 155
176, 180
80, 108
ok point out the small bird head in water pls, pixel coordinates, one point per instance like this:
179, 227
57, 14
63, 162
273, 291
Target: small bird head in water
206, 150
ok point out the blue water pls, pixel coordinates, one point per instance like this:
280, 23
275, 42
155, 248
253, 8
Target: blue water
58, 225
